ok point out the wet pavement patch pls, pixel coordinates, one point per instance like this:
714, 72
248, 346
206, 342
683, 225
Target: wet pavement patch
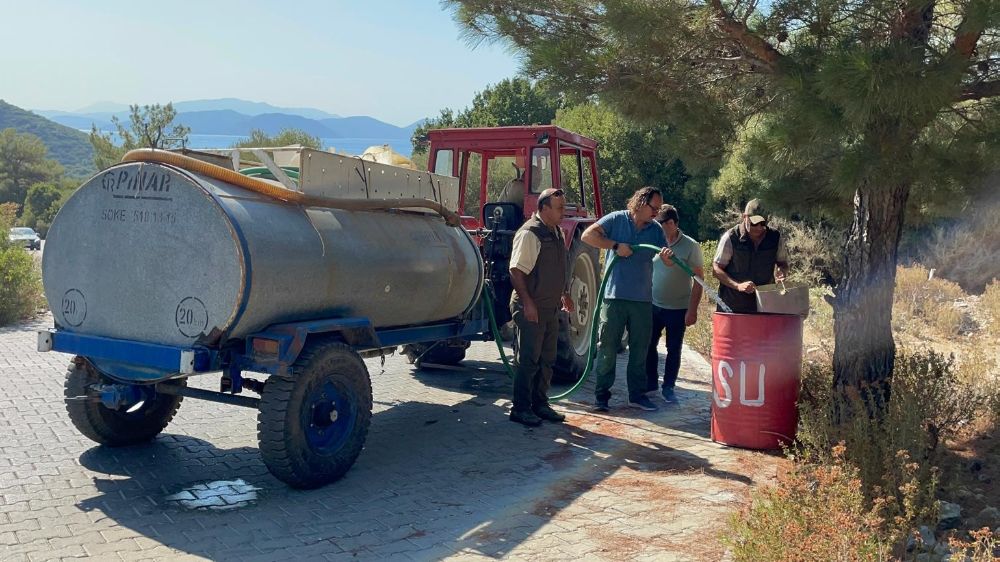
219, 495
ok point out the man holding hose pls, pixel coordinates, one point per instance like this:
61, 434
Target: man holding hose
628, 295
675, 302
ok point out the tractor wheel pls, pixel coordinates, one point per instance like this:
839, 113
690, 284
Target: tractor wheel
116, 428
575, 327
312, 427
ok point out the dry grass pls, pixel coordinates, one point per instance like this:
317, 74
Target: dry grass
921, 301
990, 307
967, 252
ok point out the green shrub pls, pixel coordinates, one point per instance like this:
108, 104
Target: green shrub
898, 452
20, 280
816, 512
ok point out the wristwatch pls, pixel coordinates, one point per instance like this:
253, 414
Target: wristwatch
614, 247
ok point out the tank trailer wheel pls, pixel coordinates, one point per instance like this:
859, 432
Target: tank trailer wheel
312, 427
116, 428
445, 352
575, 327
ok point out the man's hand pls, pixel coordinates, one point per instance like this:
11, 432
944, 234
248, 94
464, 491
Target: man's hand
746, 287
624, 250
567, 303
665, 256
779, 276
530, 310
691, 317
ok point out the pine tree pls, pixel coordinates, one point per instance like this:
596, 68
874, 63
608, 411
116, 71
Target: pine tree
870, 100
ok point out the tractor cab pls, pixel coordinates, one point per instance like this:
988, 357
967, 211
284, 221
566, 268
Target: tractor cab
511, 166
501, 172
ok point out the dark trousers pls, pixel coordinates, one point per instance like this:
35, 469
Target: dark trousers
536, 353
673, 321
616, 316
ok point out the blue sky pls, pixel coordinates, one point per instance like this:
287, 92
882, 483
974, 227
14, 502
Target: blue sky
395, 60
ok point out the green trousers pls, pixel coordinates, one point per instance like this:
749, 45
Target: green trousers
536, 353
616, 315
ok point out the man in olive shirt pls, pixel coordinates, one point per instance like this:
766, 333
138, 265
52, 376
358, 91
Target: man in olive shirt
538, 273
675, 302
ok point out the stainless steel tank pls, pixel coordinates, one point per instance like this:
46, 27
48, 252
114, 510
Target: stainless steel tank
150, 252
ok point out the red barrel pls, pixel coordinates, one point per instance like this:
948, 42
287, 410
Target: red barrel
756, 366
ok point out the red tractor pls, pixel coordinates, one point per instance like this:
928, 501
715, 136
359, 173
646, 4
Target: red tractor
501, 172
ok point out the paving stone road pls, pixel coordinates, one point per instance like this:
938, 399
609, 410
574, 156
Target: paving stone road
443, 475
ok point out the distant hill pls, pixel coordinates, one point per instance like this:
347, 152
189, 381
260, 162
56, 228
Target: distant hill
66, 145
249, 108
367, 127
231, 116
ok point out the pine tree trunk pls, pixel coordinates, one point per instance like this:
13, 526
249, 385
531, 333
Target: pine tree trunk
864, 349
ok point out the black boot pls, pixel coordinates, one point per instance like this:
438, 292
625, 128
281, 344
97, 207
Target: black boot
525, 417
547, 413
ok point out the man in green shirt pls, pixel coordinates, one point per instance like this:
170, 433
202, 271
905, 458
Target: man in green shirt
675, 302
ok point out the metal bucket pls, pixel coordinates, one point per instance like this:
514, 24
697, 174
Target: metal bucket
783, 299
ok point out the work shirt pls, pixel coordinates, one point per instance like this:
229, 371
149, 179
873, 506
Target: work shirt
742, 260
632, 277
724, 253
524, 253
671, 285
539, 252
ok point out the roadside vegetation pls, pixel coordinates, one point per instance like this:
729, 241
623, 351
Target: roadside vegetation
20, 276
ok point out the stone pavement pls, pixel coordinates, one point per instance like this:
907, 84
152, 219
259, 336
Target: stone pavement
443, 475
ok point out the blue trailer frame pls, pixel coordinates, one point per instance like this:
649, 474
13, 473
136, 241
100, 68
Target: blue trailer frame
272, 351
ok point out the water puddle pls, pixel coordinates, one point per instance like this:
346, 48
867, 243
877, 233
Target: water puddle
220, 495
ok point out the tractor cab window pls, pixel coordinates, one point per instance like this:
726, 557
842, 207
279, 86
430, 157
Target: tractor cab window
571, 175
505, 181
444, 162
541, 169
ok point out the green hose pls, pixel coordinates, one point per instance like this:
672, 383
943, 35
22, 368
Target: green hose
593, 325
259, 171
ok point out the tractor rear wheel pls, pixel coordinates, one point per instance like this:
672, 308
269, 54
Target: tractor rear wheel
575, 327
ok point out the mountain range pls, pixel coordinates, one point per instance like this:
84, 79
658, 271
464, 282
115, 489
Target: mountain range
66, 145
231, 116
61, 131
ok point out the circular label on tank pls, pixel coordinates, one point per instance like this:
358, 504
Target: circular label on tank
73, 308
191, 317
154, 252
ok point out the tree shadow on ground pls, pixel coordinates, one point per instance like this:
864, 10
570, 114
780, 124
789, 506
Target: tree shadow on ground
434, 479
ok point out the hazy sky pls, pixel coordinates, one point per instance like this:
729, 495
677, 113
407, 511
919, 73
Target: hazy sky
396, 60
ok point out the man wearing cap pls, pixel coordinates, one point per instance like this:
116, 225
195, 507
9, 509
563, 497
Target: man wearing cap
538, 274
628, 295
747, 256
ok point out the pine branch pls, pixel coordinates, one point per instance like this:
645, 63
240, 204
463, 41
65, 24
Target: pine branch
756, 47
969, 31
980, 91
